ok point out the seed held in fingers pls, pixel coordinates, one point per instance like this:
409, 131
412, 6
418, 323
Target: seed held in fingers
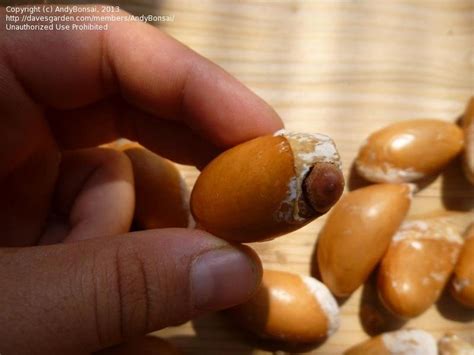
268, 186
323, 185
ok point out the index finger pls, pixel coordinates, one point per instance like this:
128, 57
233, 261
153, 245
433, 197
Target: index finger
68, 70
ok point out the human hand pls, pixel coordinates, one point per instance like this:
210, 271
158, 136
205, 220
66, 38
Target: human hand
73, 279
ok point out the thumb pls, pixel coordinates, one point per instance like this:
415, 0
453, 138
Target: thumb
92, 294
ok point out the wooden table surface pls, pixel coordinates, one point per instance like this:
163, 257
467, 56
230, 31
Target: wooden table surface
344, 68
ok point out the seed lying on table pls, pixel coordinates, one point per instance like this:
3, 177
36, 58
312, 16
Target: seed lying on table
451, 344
462, 283
405, 341
358, 232
289, 307
417, 266
268, 186
162, 198
409, 150
468, 127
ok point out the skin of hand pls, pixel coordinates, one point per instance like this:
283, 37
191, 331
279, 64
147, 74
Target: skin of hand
73, 279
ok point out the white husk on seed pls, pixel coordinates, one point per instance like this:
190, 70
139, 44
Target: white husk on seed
410, 341
326, 301
308, 149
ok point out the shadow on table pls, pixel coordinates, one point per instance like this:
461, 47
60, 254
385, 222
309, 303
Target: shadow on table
355, 181
237, 340
226, 332
373, 315
452, 309
457, 193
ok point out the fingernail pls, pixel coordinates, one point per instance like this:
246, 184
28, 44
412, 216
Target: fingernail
223, 278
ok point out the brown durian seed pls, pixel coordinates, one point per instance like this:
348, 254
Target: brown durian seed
289, 307
462, 283
409, 150
417, 265
256, 190
357, 233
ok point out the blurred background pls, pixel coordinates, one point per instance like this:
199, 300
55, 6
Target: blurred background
343, 68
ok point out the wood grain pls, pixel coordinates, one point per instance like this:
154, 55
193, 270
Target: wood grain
344, 68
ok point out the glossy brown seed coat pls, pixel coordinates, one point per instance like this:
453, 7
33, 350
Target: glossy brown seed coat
255, 191
417, 266
289, 307
409, 150
462, 283
162, 198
